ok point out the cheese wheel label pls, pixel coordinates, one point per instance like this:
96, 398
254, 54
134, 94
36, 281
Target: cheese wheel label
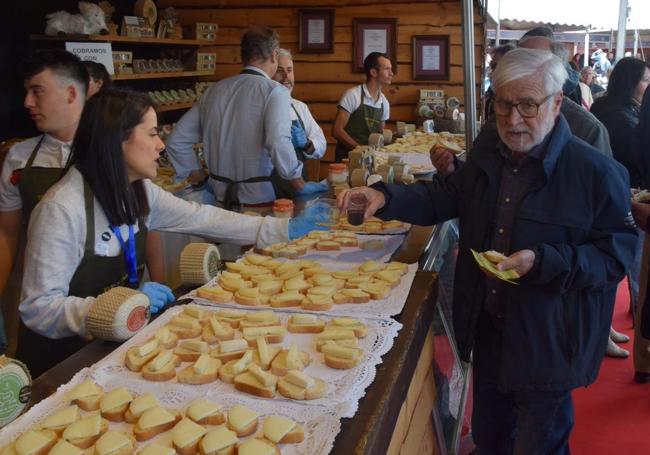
137, 318
15, 390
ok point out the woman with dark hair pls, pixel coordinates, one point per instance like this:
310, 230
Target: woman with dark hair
99, 77
87, 233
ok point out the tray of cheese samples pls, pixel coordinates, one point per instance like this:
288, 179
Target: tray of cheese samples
336, 246
372, 225
371, 289
314, 360
88, 416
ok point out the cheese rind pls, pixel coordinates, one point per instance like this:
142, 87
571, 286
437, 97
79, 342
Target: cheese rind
240, 416
275, 427
187, 432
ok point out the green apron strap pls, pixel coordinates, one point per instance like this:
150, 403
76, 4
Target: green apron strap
32, 157
89, 201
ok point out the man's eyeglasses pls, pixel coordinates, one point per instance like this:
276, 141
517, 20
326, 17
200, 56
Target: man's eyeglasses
527, 109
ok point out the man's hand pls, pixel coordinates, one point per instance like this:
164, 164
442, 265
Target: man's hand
376, 200
443, 160
522, 261
641, 212
298, 136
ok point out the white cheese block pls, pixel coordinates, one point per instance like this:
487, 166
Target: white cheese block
88, 388
276, 427
261, 331
147, 348
261, 316
155, 416
304, 319
218, 439
340, 351
243, 363
61, 418
263, 350
201, 408
195, 345
293, 359
187, 432
159, 362
193, 312
204, 364
114, 399
240, 416
84, 428
299, 379
266, 379
232, 346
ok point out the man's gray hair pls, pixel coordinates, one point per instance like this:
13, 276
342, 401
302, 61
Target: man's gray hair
285, 53
522, 63
258, 43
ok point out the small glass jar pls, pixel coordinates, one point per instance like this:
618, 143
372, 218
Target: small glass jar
338, 174
283, 208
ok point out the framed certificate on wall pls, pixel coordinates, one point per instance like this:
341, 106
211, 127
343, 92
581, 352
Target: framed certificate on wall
373, 35
430, 57
316, 31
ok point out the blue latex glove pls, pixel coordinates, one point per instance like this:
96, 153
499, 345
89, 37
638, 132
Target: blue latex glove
159, 295
312, 187
298, 136
313, 218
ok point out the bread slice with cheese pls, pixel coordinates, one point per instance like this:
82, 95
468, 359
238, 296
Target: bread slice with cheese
220, 441
272, 334
392, 277
229, 370
156, 449
270, 287
259, 319
289, 359
286, 299
137, 356
113, 405
86, 395
281, 430
216, 330
305, 323
84, 432
231, 317
316, 302
356, 295
336, 333
233, 284
256, 259
254, 446
115, 443
194, 311
186, 436
328, 245
185, 327
313, 271
190, 350
203, 371
139, 405
35, 442
298, 386
235, 267
63, 447
347, 241
395, 266
252, 270
359, 328
215, 294
60, 420
166, 338
377, 290
256, 381
346, 343
228, 350
296, 284
264, 354
242, 420
205, 412
154, 421
248, 296
162, 367
341, 358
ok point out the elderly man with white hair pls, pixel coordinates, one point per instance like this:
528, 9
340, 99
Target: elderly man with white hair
560, 213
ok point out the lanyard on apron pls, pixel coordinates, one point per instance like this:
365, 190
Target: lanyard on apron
129, 253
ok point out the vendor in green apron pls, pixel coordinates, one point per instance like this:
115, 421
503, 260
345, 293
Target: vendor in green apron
363, 109
87, 233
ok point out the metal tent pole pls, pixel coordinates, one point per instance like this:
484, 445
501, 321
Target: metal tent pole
620, 33
469, 71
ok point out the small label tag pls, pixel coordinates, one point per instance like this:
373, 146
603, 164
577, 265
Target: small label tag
101, 248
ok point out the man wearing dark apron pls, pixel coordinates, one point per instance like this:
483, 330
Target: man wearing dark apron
364, 109
56, 83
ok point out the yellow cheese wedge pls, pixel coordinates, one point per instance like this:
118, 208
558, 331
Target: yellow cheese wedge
193, 312
201, 408
61, 418
218, 328
65, 448
322, 279
230, 314
147, 348
162, 359
266, 379
84, 428
300, 379
155, 416
240, 416
184, 322
155, 449
335, 334
263, 350
257, 259
276, 427
287, 268
112, 442
345, 322
241, 364
88, 388
231, 275
304, 319
251, 293
261, 316
142, 403
204, 364
187, 432
232, 345
261, 331
293, 359
31, 442
370, 266
255, 446
321, 290
218, 439
195, 346
114, 399
163, 335
340, 351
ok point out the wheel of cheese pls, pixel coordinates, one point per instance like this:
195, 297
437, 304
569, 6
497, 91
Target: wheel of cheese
376, 139
199, 263
453, 102
388, 136
146, 9
118, 314
15, 389
359, 177
452, 114
374, 178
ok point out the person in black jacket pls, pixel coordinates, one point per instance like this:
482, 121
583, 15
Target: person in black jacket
560, 212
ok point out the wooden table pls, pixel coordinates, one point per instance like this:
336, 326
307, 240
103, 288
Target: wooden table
371, 430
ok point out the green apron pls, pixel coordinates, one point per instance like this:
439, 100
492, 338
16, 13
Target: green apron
35, 181
281, 187
364, 121
94, 275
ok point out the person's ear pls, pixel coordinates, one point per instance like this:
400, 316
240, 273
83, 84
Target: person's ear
557, 102
72, 93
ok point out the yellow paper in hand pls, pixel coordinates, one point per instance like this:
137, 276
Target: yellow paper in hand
486, 265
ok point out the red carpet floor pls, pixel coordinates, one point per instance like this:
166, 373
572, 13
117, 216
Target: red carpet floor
613, 414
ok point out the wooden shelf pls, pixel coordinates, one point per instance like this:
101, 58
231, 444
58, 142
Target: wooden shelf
173, 107
125, 39
129, 77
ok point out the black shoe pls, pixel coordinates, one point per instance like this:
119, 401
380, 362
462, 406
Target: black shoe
641, 377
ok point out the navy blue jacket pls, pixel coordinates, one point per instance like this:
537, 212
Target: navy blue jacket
557, 319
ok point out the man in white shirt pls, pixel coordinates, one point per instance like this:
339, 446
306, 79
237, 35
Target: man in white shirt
306, 136
246, 132
56, 83
363, 109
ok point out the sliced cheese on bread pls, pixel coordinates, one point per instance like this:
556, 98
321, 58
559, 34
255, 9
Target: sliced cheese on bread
156, 449
61, 418
114, 443
277, 428
229, 346
201, 409
218, 439
63, 447
286, 299
194, 311
86, 427
86, 389
155, 417
187, 433
34, 442
241, 418
139, 405
255, 446
116, 398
